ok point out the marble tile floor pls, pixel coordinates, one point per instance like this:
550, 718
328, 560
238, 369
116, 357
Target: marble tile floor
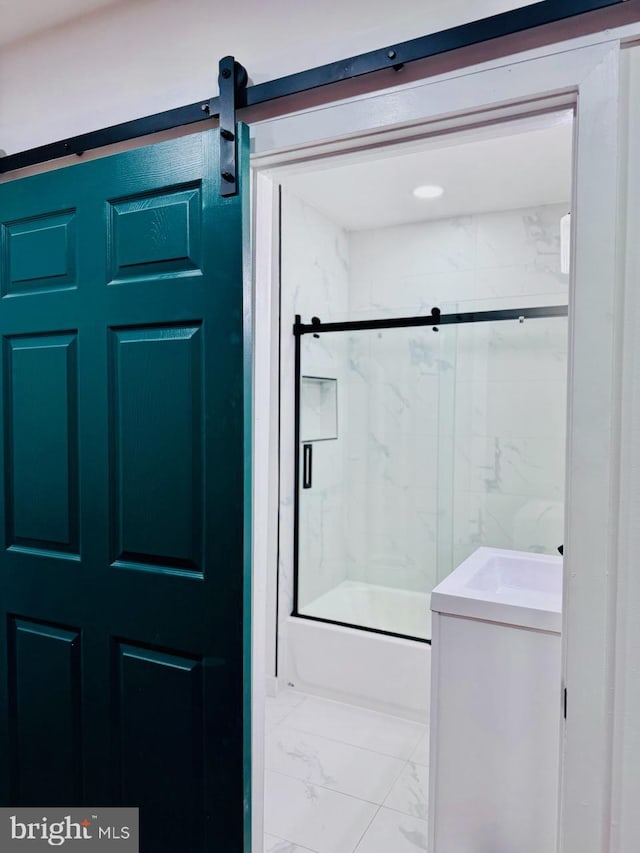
342, 779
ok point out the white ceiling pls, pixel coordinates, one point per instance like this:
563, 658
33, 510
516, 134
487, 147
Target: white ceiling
22, 18
503, 167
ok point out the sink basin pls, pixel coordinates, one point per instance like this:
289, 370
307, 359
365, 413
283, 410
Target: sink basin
511, 587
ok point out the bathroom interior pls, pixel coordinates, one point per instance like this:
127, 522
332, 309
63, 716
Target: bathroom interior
425, 329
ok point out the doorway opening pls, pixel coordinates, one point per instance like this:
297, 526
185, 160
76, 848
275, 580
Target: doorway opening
423, 416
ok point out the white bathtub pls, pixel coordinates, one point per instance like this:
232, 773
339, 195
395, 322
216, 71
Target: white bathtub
387, 674
387, 608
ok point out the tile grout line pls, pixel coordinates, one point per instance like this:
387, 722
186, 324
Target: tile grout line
368, 827
284, 723
324, 788
395, 781
287, 713
348, 705
384, 805
336, 790
288, 841
378, 810
355, 746
404, 814
379, 806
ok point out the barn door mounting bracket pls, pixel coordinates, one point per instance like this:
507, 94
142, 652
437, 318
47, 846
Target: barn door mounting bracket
232, 81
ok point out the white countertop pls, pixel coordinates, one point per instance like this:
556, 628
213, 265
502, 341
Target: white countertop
511, 587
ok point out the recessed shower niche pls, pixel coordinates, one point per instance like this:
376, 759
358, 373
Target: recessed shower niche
318, 408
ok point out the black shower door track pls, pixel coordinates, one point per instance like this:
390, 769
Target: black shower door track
393, 57
316, 326
435, 319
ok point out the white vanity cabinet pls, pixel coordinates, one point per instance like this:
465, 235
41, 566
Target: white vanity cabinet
496, 705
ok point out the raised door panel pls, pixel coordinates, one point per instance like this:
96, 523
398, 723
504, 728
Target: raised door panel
156, 234
159, 705
157, 425
45, 713
41, 443
39, 254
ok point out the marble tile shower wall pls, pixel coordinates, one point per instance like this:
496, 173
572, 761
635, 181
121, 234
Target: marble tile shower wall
455, 439
509, 438
480, 258
392, 456
315, 281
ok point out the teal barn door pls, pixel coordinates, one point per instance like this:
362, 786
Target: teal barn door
125, 493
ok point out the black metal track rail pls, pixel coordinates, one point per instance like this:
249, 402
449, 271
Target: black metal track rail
392, 56
316, 327
178, 117
424, 47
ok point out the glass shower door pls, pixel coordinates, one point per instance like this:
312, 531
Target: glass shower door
368, 502
418, 445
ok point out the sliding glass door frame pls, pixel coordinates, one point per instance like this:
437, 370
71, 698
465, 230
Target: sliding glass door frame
316, 327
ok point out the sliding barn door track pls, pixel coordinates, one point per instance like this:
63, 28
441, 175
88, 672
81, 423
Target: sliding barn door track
236, 95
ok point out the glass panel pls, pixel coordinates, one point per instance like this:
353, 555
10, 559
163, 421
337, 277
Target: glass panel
368, 525
509, 437
446, 441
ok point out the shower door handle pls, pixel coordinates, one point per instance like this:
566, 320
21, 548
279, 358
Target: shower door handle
307, 465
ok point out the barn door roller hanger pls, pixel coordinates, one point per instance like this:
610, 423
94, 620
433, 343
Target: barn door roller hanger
236, 95
232, 81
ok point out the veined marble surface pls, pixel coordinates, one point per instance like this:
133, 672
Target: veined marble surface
342, 779
315, 282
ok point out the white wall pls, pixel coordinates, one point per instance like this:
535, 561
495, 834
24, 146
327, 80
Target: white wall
139, 57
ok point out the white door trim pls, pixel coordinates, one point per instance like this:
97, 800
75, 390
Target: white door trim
625, 817
592, 488
588, 78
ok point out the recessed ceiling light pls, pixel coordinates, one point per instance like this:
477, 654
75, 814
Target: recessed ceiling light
428, 191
